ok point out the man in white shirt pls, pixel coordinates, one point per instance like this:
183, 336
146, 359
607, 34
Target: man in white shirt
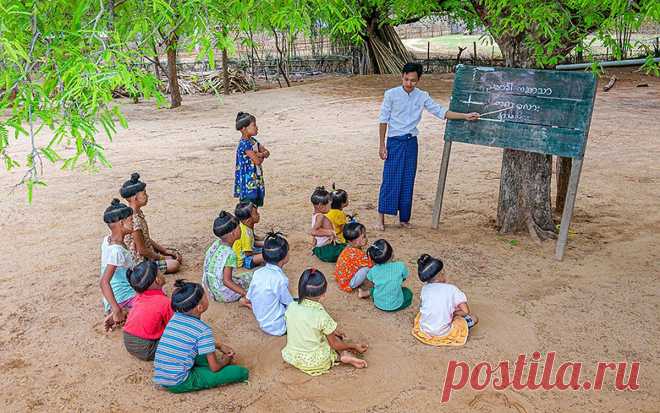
400, 113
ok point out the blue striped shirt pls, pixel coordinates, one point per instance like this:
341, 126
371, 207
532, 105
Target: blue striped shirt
184, 338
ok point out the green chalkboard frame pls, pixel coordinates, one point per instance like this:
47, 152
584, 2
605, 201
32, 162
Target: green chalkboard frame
542, 111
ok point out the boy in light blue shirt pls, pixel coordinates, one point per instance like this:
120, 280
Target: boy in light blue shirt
269, 289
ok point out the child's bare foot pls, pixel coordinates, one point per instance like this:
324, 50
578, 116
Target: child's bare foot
348, 358
244, 302
225, 360
363, 293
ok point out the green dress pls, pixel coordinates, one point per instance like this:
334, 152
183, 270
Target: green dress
307, 346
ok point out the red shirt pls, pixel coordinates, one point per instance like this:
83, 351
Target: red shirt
149, 315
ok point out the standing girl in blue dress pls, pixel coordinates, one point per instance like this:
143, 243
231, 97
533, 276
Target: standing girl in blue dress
250, 154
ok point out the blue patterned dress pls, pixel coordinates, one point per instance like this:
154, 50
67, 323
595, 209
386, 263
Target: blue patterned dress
249, 183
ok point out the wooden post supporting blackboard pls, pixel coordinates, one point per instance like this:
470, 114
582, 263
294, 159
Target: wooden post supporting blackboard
437, 206
568, 208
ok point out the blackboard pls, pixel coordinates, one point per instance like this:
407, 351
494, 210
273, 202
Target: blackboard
540, 111
546, 111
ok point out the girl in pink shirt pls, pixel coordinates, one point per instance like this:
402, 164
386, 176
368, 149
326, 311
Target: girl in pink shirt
151, 311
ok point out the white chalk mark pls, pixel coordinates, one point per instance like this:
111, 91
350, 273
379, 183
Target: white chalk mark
496, 111
491, 120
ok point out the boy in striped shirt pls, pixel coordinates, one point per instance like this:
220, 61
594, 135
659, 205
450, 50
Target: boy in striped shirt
186, 358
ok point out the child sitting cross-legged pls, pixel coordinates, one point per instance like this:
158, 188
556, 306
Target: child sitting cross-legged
269, 289
388, 277
326, 246
353, 263
444, 318
313, 341
150, 313
186, 358
247, 248
220, 262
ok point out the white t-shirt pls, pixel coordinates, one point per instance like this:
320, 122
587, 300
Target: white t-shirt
439, 301
121, 258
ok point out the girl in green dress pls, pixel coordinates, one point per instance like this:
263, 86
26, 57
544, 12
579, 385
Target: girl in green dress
314, 344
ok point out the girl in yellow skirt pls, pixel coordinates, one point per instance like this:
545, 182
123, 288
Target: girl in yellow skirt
444, 318
313, 342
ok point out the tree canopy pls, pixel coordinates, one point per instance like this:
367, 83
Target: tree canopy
61, 60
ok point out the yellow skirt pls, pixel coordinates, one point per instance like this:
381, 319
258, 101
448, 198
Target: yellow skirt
457, 335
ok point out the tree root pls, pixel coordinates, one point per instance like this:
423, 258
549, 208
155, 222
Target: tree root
537, 233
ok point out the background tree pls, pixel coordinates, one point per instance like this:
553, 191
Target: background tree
59, 65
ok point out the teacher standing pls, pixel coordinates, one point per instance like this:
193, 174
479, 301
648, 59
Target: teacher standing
399, 116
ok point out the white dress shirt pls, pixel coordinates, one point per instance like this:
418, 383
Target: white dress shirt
269, 294
402, 111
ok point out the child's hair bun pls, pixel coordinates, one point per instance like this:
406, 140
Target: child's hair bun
115, 202
275, 248
380, 251
428, 267
186, 295
224, 224
135, 177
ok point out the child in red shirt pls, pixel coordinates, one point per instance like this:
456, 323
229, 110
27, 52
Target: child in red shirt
353, 262
151, 311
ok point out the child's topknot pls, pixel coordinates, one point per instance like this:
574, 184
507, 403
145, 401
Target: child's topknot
428, 267
132, 187
353, 230
339, 198
224, 224
243, 120
276, 247
186, 296
320, 196
116, 212
380, 251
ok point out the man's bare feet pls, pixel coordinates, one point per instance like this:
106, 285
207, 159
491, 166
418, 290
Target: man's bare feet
347, 357
406, 225
380, 224
363, 293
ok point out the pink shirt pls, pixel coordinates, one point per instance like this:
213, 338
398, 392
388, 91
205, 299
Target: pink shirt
150, 313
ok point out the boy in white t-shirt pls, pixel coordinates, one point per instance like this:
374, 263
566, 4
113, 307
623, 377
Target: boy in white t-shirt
444, 317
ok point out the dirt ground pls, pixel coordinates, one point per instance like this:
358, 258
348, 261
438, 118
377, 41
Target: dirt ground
599, 304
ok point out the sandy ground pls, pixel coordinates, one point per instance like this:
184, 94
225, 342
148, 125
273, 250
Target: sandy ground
599, 304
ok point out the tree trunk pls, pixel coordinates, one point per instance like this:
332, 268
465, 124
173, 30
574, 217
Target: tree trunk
386, 53
524, 199
172, 75
563, 175
225, 72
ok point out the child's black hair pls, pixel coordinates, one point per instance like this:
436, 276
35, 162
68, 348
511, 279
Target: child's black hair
186, 296
380, 251
320, 196
312, 283
353, 230
243, 120
276, 248
132, 186
412, 67
224, 224
428, 267
243, 210
142, 275
116, 212
339, 198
